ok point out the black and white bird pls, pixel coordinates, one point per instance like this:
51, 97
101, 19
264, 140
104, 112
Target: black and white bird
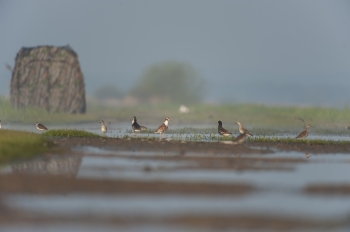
242, 130
40, 126
103, 127
222, 131
162, 128
304, 133
0, 124
136, 127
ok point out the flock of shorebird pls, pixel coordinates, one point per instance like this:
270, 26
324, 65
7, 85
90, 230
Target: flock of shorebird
221, 130
138, 128
244, 132
162, 128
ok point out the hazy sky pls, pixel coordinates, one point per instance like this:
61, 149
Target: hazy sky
286, 52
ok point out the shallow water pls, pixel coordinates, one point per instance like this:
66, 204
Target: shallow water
278, 192
265, 202
301, 176
333, 168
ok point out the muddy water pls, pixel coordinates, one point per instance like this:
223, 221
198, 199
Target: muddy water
276, 199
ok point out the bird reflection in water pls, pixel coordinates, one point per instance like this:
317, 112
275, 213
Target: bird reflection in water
63, 166
307, 155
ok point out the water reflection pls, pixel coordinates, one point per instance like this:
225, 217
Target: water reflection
66, 166
278, 192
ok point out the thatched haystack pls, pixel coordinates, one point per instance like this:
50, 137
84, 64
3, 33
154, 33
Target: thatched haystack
50, 78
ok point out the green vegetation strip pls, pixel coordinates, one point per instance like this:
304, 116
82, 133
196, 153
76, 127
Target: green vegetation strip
258, 119
19, 144
263, 139
300, 141
70, 134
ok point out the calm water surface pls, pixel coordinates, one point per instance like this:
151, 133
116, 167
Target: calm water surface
279, 192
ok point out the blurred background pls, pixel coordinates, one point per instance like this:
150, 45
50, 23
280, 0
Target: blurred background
270, 52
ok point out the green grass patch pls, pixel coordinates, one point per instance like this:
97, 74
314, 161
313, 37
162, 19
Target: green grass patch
185, 130
297, 141
65, 133
18, 144
274, 118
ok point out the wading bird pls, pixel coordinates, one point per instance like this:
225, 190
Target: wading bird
242, 130
136, 127
304, 133
103, 127
162, 128
40, 126
222, 131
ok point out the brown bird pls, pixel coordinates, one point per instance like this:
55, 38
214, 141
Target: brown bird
304, 133
162, 128
242, 130
103, 127
136, 127
222, 131
40, 126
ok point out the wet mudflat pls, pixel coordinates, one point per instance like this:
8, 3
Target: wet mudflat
110, 184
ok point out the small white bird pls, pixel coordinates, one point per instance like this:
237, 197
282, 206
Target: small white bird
162, 128
40, 126
103, 127
183, 109
242, 130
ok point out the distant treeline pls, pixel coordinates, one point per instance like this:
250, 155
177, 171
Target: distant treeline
170, 81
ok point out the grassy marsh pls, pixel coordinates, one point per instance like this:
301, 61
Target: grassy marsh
298, 141
264, 139
254, 130
253, 116
19, 144
70, 133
